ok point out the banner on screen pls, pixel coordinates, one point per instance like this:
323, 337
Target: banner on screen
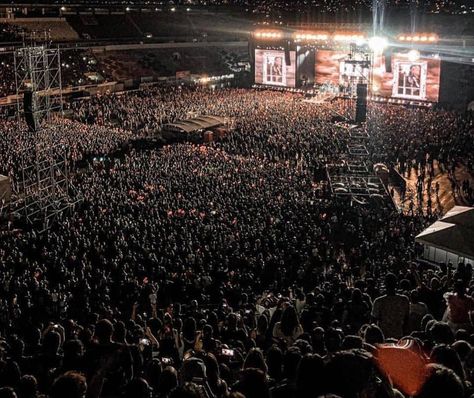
271, 68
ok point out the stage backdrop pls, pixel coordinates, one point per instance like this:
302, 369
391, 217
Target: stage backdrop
328, 66
271, 68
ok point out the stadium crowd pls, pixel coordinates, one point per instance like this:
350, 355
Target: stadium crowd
82, 141
412, 139
227, 269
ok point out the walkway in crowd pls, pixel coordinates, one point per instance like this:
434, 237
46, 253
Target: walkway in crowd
445, 199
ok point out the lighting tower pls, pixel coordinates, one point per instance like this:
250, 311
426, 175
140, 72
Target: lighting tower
378, 16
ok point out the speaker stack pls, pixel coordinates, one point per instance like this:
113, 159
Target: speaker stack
287, 54
29, 106
361, 103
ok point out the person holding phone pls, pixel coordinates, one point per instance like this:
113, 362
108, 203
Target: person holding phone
168, 337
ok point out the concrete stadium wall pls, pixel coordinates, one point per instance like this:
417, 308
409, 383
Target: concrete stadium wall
145, 46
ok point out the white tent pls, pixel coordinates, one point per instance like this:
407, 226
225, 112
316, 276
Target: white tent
451, 238
195, 124
460, 215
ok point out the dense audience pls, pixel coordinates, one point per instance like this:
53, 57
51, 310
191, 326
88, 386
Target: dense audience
227, 269
7, 76
9, 32
409, 138
83, 141
428, 136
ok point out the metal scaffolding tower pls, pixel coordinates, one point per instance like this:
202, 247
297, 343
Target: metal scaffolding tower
43, 188
38, 70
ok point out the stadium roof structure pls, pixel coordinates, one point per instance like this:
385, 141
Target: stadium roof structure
195, 124
453, 233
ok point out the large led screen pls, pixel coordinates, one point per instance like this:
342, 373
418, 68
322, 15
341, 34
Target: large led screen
408, 79
417, 80
335, 68
328, 66
271, 68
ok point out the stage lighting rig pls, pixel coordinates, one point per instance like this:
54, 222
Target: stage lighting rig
378, 44
413, 55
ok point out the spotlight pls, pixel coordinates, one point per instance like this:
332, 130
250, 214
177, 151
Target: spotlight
413, 55
360, 41
378, 44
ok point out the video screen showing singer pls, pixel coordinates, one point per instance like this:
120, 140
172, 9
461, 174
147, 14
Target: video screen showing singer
409, 80
274, 70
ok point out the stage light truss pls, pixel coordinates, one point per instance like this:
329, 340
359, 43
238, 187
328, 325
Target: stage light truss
272, 35
419, 38
311, 36
349, 37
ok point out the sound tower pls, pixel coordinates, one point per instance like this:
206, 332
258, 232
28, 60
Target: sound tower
361, 103
29, 105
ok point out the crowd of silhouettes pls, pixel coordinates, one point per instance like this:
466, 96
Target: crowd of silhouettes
228, 269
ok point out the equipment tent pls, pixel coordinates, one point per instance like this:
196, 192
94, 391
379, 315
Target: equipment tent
451, 238
195, 124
